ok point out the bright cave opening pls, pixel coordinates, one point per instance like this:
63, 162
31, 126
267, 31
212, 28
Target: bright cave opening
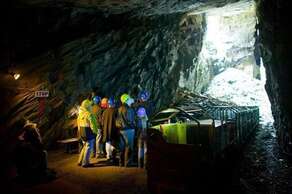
229, 66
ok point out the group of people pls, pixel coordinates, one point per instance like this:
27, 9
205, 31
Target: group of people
112, 129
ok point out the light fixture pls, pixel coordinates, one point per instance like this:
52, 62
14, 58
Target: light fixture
16, 76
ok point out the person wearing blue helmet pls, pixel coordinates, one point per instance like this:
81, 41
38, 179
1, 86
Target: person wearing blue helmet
97, 112
145, 101
96, 99
143, 95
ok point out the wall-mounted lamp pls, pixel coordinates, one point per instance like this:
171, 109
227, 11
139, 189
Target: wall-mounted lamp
16, 76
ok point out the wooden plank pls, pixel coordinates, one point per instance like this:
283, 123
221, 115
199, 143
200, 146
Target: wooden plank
71, 140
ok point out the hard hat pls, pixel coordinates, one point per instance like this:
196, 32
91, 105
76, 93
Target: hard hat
104, 103
124, 98
96, 99
86, 104
141, 112
130, 101
144, 95
111, 102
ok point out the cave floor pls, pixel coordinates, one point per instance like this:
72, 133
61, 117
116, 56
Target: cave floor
100, 178
262, 169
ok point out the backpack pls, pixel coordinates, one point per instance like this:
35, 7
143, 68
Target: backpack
120, 120
99, 116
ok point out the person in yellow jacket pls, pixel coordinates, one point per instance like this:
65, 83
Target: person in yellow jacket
87, 128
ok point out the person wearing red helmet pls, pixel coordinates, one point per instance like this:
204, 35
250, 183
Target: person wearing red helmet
104, 103
110, 133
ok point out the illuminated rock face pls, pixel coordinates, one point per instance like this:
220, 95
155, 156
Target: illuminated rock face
228, 42
233, 85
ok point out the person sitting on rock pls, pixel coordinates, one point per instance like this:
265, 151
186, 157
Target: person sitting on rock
31, 157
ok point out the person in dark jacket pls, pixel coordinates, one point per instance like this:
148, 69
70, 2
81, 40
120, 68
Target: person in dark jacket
110, 132
126, 120
97, 112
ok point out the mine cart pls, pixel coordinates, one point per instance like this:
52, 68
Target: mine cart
185, 142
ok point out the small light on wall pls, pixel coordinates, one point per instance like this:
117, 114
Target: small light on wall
16, 76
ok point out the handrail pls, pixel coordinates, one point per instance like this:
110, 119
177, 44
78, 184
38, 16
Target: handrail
196, 120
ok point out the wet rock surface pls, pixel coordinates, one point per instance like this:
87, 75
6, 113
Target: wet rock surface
264, 169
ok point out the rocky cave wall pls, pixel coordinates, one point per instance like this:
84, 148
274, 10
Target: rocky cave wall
275, 45
118, 54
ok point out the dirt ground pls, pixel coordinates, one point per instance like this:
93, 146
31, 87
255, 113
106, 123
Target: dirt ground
262, 169
72, 179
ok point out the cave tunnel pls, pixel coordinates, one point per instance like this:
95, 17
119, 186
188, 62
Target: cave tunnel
212, 77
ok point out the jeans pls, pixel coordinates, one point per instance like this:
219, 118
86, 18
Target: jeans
85, 152
128, 147
99, 143
142, 150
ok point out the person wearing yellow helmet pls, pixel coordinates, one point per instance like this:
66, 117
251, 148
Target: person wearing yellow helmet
87, 128
125, 121
124, 98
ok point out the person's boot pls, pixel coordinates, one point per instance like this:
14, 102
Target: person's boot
122, 159
140, 163
127, 152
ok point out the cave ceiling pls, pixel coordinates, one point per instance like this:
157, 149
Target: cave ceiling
136, 7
